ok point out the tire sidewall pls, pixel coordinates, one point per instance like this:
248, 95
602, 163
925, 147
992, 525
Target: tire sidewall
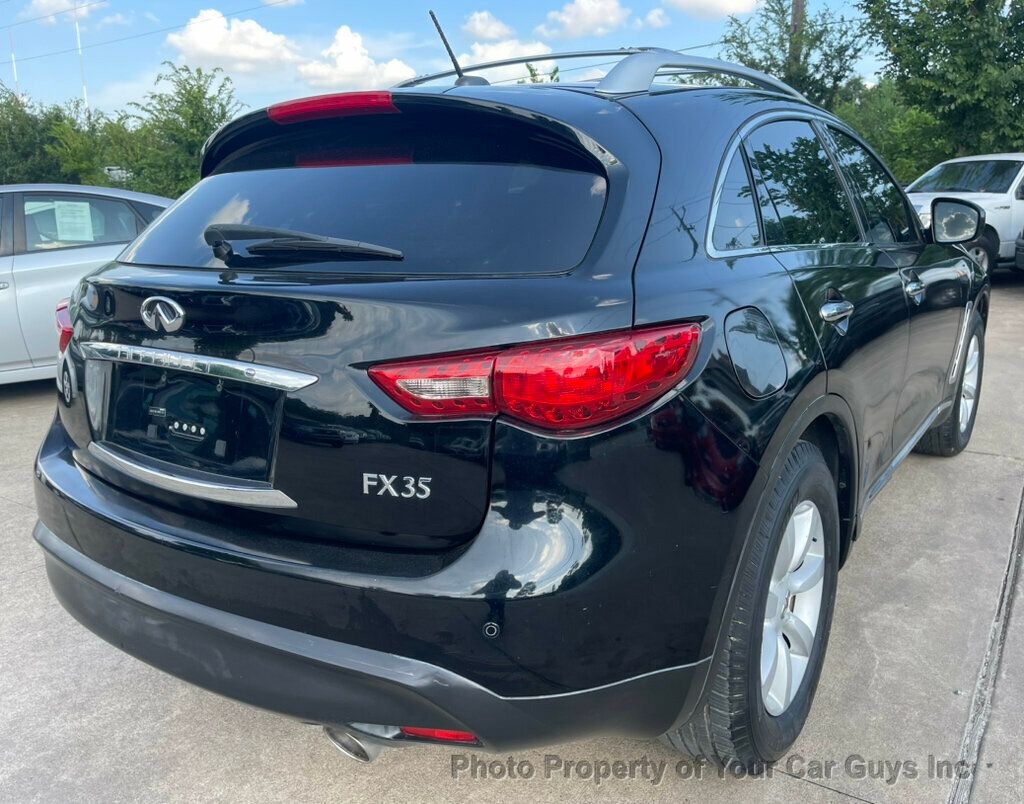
773, 735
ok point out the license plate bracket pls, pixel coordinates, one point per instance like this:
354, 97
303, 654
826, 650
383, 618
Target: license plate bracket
205, 423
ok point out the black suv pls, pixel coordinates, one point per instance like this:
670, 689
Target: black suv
504, 415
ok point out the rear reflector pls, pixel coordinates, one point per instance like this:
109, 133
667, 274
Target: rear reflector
320, 107
440, 735
570, 383
64, 328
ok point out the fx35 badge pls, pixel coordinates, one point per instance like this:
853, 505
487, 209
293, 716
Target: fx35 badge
396, 486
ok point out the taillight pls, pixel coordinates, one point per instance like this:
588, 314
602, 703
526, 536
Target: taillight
64, 328
344, 104
570, 383
441, 735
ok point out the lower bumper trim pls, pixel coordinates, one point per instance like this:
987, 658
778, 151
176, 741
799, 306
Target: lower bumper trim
322, 681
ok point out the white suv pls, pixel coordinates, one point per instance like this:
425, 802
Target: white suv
995, 182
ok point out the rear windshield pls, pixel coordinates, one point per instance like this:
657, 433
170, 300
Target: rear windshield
989, 176
456, 193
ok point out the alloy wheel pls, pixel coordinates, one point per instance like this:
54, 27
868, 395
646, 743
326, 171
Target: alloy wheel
969, 386
793, 608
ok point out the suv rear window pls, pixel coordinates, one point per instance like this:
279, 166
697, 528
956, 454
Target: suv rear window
456, 192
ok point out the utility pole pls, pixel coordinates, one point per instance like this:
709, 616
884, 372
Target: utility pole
81, 59
14, 64
796, 31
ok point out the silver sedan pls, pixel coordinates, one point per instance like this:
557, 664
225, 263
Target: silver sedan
51, 235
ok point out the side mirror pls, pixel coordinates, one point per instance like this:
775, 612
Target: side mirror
1020, 191
956, 221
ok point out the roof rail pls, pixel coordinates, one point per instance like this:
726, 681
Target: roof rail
636, 73
576, 54
636, 70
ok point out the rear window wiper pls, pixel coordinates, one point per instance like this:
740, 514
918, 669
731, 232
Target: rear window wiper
288, 244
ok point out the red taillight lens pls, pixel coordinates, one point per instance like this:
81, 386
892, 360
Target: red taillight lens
571, 383
441, 735
64, 328
320, 107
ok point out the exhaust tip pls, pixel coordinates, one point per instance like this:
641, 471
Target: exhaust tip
352, 746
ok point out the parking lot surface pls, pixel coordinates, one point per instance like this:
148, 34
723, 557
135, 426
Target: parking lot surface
925, 667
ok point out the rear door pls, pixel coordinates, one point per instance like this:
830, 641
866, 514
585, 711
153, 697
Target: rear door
13, 354
853, 295
935, 279
60, 237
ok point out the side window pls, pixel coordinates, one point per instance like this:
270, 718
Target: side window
67, 220
148, 211
735, 216
809, 202
885, 211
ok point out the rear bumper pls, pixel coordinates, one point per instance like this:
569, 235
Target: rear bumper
323, 681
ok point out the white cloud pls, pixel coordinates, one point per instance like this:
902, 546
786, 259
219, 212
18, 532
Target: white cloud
282, 3
347, 64
60, 9
585, 18
480, 52
115, 19
239, 46
149, 15
655, 18
484, 25
714, 8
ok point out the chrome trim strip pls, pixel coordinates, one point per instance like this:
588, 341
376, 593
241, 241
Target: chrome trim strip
222, 368
253, 495
958, 352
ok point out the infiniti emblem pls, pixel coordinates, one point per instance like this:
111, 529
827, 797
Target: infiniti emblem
160, 313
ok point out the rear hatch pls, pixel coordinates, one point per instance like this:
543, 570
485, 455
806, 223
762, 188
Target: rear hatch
234, 384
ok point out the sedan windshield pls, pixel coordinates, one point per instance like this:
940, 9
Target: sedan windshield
989, 176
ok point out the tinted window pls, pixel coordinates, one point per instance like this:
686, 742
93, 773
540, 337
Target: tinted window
987, 176
808, 202
63, 221
148, 211
735, 217
456, 193
882, 204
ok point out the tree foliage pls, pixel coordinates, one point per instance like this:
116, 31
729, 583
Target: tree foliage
819, 59
908, 138
155, 143
962, 60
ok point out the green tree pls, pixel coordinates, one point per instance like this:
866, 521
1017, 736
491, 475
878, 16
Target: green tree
909, 139
172, 125
962, 60
816, 57
26, 134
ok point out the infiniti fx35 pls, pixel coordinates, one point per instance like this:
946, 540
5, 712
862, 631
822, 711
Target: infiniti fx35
507, 415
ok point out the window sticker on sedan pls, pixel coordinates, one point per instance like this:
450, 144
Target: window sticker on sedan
74, 221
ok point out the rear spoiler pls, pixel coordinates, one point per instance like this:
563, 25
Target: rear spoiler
263, 124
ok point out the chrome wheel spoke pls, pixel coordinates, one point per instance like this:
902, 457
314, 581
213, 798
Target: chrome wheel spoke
777, 690
799, 635
809, 575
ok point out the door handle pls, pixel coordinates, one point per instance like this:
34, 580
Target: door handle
915, 290
835, 312
4, 285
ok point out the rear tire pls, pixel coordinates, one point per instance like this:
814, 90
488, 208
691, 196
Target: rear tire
733, 725
954, 434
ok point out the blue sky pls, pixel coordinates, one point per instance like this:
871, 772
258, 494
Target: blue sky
278, 49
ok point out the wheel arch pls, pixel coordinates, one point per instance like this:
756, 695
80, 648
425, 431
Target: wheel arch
825, 419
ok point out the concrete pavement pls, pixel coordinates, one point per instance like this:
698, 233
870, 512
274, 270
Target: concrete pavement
925, 665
